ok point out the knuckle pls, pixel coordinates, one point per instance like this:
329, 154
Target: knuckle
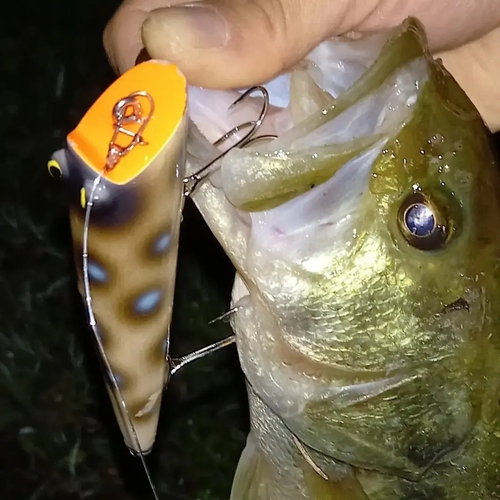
276, 20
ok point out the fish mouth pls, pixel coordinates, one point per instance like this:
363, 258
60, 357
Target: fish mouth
346, 97
329, 118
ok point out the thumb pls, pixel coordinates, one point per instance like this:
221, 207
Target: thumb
228, 44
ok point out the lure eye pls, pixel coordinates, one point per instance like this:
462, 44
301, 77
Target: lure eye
422, 223
54, 169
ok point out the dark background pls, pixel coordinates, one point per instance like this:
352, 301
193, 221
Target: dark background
58, 438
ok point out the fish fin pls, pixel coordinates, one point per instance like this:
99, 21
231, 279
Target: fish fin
329, 479
347, 488
248, 477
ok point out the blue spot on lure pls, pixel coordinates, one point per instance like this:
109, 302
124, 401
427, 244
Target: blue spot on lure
162, 243
148, 302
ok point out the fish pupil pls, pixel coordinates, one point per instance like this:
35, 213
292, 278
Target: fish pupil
420, 220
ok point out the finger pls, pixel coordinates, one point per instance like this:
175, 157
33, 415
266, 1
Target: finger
233, 43
122, 36
448, 23
476, 67
258, 38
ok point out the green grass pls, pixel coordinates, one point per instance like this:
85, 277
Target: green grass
58, 438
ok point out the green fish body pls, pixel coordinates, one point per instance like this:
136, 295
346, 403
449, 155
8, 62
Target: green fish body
366, 246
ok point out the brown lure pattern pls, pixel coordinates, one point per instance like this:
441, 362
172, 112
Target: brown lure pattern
133, 235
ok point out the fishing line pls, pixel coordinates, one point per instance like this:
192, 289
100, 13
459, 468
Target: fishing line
115, 153
93, 325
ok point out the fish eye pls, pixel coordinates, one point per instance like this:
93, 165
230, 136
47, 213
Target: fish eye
54, 169
422, 223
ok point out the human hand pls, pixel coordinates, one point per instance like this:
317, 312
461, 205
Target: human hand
240, 43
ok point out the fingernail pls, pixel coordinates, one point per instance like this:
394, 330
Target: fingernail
192, 26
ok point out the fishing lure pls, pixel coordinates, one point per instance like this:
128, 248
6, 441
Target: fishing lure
123, 171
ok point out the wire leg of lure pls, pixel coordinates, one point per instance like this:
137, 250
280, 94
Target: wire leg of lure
191, 182
226, 315
93, 324
177, 363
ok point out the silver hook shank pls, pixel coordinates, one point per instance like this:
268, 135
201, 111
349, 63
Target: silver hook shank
191, 182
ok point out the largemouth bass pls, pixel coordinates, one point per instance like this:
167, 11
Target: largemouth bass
367, 289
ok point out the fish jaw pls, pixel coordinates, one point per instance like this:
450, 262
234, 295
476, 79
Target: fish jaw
345, 328
337, 65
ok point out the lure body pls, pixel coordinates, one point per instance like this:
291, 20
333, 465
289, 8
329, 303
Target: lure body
133, 233
368, 278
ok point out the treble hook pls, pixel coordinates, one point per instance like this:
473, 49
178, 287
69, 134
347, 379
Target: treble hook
192, 181
175, 364
268, 137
